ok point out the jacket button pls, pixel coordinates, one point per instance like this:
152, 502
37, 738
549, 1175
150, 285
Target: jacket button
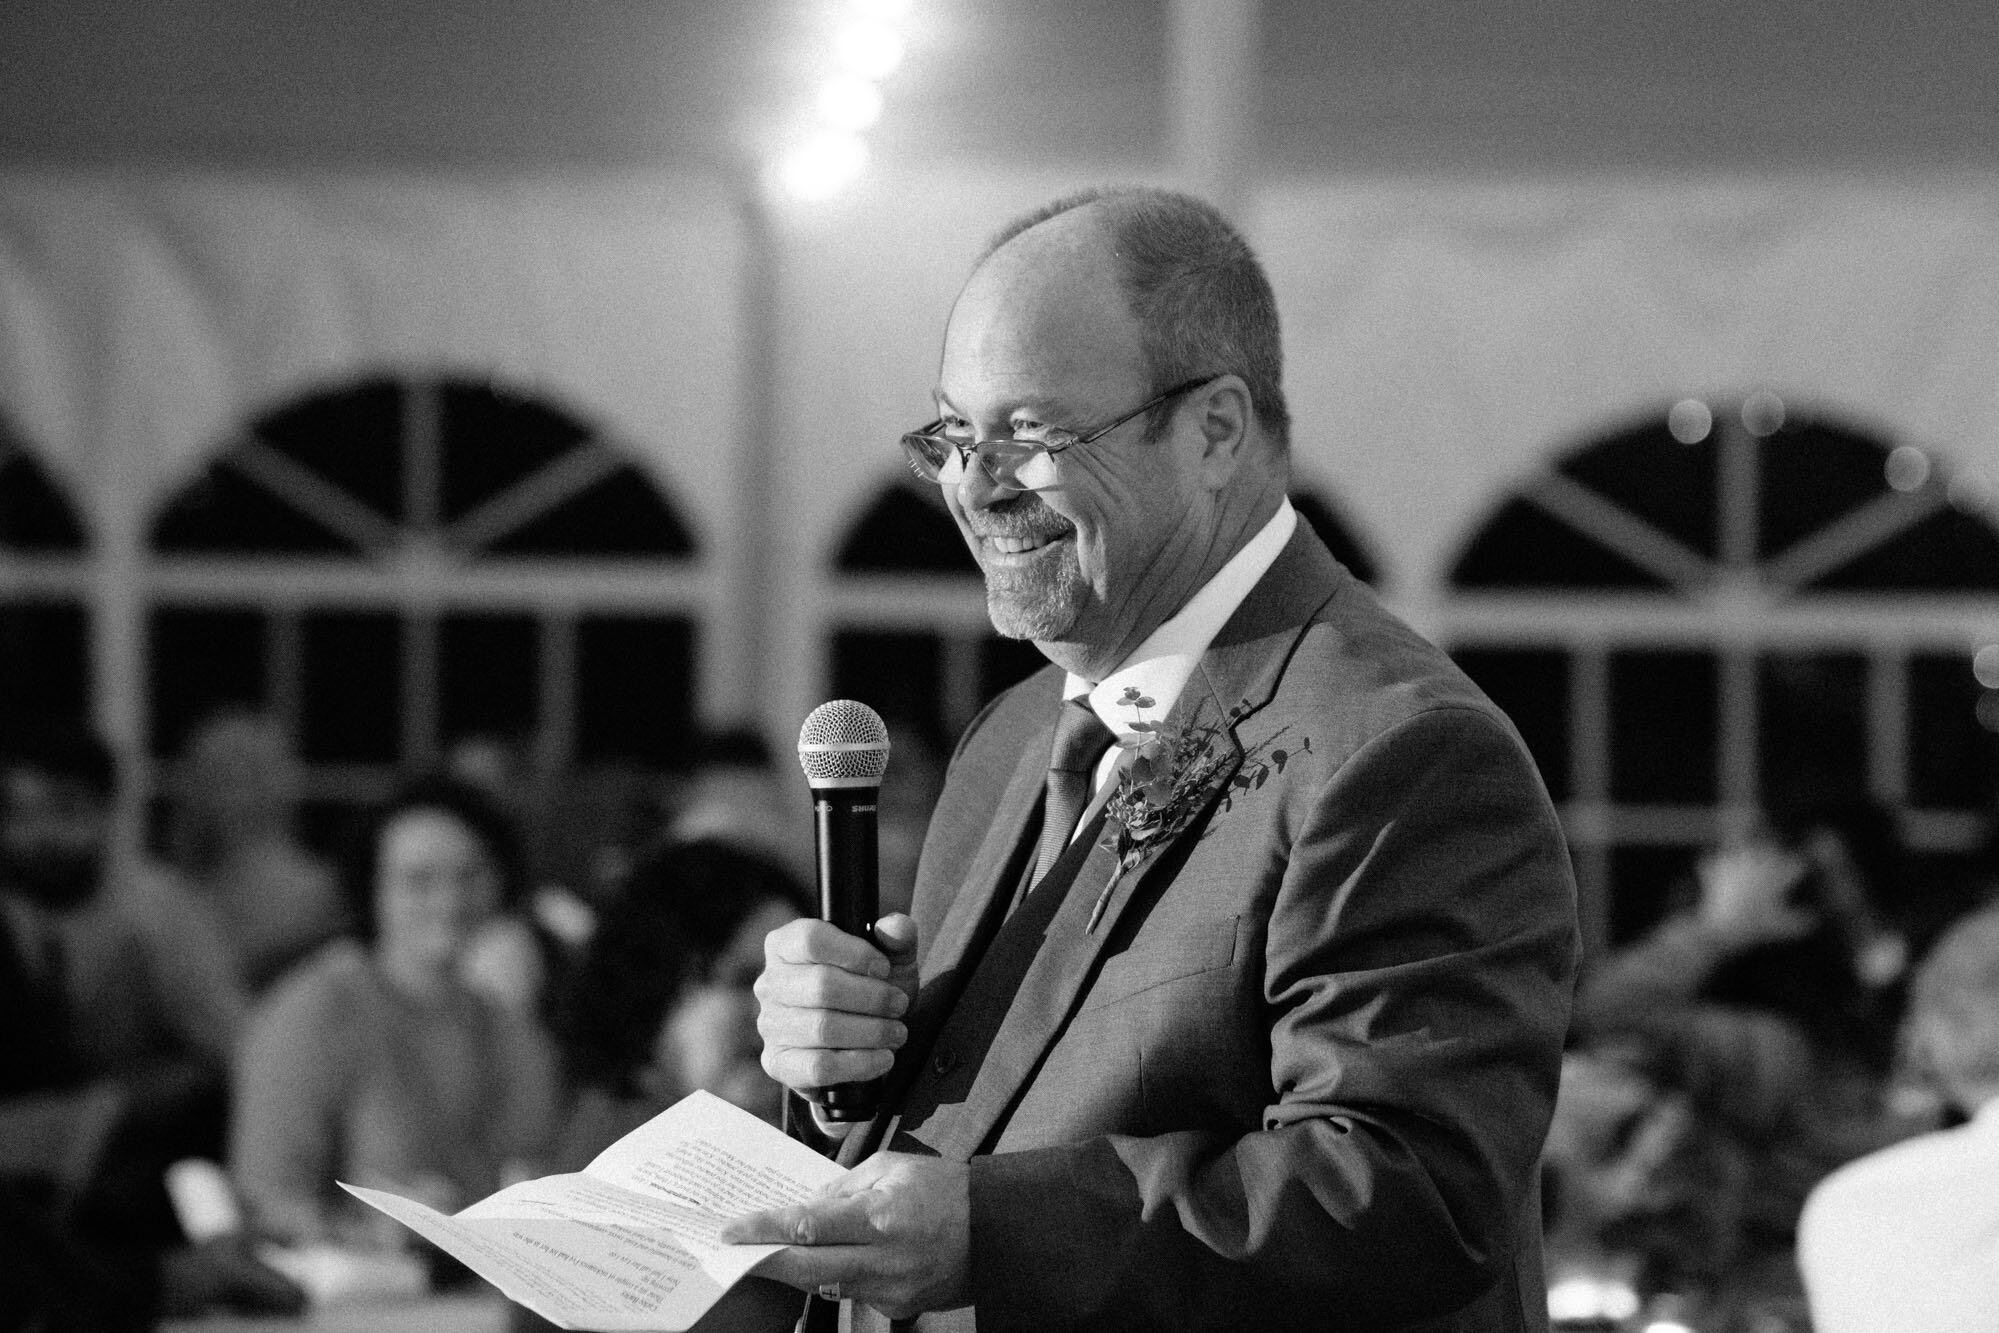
944, 1061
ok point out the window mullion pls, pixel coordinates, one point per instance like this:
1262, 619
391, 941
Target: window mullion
419, 688
1888, 724
555, 736
1739, 780
423, 457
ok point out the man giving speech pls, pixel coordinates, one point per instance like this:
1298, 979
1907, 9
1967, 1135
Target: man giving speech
1235, 984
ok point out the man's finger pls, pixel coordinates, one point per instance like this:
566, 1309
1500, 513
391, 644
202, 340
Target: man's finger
830, 1220
809, 940
784, 1025
896, 934
811, 1268
824, 986
804, 1068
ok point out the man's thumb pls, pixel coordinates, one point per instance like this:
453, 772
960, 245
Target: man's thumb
895, 935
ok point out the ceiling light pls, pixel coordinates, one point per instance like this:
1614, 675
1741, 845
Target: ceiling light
1763, 414
848, 103
879, 11
1690, 421
821, 166
1907, 468
869, 50
1985, 666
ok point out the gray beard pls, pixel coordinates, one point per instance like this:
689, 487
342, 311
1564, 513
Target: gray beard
1036, 606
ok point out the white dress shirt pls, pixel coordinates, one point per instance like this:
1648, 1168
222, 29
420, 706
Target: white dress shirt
1159, 667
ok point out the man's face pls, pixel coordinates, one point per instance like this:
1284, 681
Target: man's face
1041, 337
53, 832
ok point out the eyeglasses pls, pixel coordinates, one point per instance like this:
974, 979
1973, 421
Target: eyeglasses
937, 457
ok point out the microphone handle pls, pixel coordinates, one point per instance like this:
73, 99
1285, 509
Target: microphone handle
845, 822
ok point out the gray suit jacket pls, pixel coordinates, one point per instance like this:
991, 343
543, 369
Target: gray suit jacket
1293, 1067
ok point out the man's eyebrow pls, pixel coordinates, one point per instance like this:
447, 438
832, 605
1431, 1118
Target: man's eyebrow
1036, 406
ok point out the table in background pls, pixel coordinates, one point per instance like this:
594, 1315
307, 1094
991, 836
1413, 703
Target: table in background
482, 1312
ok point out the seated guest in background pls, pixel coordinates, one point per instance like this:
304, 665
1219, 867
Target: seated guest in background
520, 957
373, 1062
1761, 1025
137, 965
120, 1009
735, 790
230, 834
661, 1003
1908, 1237
595, 821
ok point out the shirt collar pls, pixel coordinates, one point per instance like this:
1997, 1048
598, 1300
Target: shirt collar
1159, 667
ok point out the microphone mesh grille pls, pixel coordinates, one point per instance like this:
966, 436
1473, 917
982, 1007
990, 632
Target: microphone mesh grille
843, 740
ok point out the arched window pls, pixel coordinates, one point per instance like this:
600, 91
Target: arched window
910, 635
397, 563
44, 626
1710, 613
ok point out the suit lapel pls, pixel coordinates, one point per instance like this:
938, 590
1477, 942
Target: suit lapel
1237, 676
1097, 893
953, 952
959, 931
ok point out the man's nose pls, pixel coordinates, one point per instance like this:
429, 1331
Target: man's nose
977, 489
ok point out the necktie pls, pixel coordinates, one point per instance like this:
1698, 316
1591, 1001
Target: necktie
1080, 740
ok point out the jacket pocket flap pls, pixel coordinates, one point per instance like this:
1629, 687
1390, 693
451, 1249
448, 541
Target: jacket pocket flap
1165, 952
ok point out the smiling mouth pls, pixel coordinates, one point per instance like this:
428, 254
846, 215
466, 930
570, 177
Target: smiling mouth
1006, 545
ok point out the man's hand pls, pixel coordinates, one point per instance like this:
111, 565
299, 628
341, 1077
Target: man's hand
895, 1233
831, 1003
1746, 891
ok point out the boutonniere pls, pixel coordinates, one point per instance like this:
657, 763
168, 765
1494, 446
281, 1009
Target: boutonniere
1163, 776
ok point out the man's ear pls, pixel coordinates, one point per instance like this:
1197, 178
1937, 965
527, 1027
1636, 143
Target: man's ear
1227, 420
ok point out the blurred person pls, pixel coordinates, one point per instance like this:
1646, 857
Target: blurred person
142, 973
1906, 1239
1636, 1196
507, 767
736, 790
373, 1062
231, 834
597, 819
1844, 964
520, 957
122, 1006
496, 764
513, 962
661, 1005
1761, 1023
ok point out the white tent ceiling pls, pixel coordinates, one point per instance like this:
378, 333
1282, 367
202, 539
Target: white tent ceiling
1415, 85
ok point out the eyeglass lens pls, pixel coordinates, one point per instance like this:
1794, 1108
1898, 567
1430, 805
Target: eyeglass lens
943, 461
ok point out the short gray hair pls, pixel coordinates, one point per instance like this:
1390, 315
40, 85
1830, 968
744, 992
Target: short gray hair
1196, 288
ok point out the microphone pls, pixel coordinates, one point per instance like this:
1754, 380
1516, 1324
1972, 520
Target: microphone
843, 748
